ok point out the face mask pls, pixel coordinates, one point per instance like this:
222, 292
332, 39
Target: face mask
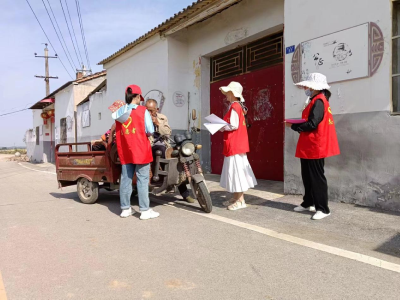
308, 92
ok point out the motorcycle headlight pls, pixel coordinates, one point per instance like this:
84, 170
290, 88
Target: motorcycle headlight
188, 149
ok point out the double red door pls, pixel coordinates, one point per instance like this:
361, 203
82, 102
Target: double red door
263, 92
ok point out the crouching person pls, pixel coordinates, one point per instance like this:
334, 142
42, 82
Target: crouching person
133, 126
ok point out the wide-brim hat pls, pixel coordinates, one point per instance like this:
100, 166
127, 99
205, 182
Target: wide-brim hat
315, 81
234, 87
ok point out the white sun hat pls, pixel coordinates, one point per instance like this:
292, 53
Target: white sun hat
315, 81
234, 87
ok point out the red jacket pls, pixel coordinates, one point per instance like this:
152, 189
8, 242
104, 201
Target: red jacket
321, 142
236, 141
132, 142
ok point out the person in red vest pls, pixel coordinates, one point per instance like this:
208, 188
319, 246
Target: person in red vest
317, 141
133, 127
237, 175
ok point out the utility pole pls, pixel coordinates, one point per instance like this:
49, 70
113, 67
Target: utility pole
46, 64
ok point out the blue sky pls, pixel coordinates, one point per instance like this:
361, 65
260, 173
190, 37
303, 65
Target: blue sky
109, 25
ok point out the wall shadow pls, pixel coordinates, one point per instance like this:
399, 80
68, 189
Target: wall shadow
391, 247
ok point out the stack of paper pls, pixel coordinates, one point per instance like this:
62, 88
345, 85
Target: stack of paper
215, 124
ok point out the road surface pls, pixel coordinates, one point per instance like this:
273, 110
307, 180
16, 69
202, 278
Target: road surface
54, 247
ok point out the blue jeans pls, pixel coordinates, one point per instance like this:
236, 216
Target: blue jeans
125, 189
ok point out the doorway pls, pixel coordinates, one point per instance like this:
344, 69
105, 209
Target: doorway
258, 66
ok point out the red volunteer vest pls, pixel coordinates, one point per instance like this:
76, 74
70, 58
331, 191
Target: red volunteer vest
132, 142
321, 142
237, 141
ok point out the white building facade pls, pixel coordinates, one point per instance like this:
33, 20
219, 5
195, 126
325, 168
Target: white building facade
267, 46
61, 128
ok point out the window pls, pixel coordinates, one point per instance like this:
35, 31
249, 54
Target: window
37, 135
396, 56
256, 55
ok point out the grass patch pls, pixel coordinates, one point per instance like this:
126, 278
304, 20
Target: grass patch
13, 151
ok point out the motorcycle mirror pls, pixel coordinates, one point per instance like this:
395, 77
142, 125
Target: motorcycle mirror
194, 114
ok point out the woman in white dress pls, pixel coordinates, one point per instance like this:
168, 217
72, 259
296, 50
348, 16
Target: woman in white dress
237, 176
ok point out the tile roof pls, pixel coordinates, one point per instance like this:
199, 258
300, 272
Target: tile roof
90, 77
188, 12
38, 104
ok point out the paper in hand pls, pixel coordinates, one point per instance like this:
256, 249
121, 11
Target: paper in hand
116, 105
215, 124
295, 121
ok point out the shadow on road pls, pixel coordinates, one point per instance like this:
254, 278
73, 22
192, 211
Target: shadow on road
111, 200
218, 197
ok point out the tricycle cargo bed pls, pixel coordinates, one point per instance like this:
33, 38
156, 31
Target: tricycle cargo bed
93, 165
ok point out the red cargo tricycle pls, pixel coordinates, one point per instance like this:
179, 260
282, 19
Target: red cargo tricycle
76, 163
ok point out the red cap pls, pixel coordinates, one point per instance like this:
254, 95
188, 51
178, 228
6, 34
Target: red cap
135, 90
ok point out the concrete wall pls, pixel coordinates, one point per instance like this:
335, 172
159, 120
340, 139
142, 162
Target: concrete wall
65, 105
64, 108
100, 117
145, 66
238, 25
367, 172
44, 151
30, 142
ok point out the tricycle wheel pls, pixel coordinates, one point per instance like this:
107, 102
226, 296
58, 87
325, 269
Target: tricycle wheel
88, 191
203, 196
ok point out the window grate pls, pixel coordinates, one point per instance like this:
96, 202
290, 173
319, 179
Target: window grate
256, 55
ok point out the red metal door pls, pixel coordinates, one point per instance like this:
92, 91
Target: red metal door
263, 92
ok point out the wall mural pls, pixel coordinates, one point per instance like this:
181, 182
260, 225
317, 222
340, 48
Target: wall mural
352, 53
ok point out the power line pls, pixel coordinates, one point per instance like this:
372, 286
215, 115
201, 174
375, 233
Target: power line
59, 37
48, 38
58, 26
14, 112
78, 9
73, 30
72, 41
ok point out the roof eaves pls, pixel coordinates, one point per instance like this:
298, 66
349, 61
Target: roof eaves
97, 89
92, 76
52, 94
186, 12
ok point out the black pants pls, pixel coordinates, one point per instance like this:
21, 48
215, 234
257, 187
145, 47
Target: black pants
182, 188
315, 184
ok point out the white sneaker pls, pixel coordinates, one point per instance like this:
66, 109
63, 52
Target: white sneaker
301, 208
228, 202
237, 205
320, 215
148, 214
126, 213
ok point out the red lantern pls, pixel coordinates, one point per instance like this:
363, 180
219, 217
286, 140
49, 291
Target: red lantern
50, 113
45, 116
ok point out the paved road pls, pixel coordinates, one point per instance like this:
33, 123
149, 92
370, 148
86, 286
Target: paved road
54, 247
